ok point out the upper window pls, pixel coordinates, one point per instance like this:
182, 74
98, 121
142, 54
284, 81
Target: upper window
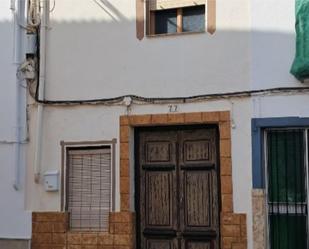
172, 17
287, 191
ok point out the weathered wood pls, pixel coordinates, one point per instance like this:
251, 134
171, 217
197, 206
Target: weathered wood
178, 194
179, 20
211, 16
140, 19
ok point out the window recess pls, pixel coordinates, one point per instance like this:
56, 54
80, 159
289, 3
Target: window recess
286, 153
172, 17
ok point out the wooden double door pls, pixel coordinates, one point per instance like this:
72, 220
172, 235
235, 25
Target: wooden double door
177, 188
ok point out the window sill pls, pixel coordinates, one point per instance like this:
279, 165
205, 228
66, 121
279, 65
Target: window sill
175, 34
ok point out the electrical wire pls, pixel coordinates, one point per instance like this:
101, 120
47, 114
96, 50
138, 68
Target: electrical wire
53, 8
34, 13
168, 100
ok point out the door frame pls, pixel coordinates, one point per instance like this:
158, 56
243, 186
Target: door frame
137, 182
229, 238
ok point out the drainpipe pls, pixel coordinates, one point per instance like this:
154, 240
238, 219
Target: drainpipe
18, 18
41, 90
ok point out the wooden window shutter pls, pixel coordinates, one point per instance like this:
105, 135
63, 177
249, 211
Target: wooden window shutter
211, 16
88, 190
140, 19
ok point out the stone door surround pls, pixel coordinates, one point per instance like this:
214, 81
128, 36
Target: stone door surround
233, 226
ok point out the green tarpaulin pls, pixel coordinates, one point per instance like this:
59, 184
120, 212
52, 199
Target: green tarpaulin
300, 67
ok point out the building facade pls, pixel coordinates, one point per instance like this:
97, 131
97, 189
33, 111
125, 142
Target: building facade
167, 124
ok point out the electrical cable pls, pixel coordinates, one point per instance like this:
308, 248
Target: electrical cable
53, 8
165, 100
34, 14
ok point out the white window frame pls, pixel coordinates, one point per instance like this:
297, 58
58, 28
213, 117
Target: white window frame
82, 144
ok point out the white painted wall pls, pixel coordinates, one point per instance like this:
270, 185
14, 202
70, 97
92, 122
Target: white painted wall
92, 52
15, 220
94, 49
273, 43
281, 106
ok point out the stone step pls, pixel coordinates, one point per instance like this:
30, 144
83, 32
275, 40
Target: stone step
14, 244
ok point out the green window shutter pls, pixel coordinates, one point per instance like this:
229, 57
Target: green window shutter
287, 193
288, 232
300, 67
286, 167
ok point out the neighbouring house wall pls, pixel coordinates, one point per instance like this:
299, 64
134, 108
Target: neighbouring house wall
15, 221
272, 107
259, 191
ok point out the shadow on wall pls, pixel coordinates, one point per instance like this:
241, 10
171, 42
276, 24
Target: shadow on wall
97, 59
110, 10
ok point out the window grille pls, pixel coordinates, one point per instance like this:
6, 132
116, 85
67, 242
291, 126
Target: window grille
89, 188
287, 188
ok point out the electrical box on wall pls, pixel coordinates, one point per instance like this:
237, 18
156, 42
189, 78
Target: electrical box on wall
31, 44
51, 180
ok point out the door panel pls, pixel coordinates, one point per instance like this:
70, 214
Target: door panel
159, 186
197, 199
159, 244
158, 152
197, 150
198, 245
177, 189
198, 147
158, 199
198, 193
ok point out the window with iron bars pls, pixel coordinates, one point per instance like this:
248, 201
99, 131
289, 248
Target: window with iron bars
286, 158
